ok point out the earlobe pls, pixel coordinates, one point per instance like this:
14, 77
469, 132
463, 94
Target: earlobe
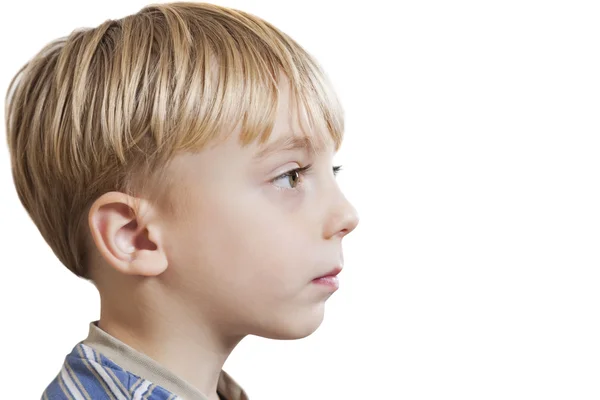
125, 235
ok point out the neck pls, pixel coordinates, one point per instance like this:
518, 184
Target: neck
193, 350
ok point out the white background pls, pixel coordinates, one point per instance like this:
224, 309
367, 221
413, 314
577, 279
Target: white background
472, 153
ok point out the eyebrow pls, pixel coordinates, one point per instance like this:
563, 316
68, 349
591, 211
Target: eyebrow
287, 143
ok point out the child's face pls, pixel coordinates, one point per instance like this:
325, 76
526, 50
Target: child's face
245, 245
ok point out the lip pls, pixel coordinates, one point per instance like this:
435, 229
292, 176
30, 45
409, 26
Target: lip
329, 280
332, 273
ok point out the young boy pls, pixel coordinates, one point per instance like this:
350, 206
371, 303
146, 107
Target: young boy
181, 160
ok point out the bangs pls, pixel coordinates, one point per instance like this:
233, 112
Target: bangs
222, 69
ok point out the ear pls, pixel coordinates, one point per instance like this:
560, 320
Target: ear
125, 235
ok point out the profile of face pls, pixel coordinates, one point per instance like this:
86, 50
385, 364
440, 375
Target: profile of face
252, 232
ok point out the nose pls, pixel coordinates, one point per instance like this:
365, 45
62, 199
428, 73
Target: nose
342, 217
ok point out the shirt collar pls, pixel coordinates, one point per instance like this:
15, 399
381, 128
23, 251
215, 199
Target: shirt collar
140, 364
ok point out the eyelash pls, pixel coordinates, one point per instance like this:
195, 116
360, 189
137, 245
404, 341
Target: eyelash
302, 171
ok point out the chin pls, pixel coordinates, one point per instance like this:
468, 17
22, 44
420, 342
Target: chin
292, 327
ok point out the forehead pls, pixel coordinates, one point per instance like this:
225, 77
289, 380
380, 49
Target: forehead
291, 142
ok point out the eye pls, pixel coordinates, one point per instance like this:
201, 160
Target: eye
291, 179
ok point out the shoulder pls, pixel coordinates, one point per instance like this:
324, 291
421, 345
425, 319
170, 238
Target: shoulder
88, 375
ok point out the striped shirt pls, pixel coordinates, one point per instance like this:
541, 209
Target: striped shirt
102, 367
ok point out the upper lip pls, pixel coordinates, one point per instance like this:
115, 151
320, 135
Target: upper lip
333, 272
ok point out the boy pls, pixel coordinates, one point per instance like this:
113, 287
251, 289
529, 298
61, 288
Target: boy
180, 159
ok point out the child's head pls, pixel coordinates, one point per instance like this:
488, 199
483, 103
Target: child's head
154, 155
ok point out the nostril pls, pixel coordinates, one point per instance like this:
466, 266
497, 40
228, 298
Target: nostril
345, 231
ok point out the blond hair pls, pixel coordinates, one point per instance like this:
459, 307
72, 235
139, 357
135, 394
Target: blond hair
105, 109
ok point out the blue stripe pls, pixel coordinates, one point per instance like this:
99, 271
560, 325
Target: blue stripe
94, 384
95, 387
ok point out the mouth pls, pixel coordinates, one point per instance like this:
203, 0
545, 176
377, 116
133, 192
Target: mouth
334, 272
330, 279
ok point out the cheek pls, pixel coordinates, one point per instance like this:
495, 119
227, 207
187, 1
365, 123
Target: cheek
265, 250
257, 244
252, 262
242, 242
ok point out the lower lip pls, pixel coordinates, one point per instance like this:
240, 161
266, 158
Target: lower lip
331, 282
